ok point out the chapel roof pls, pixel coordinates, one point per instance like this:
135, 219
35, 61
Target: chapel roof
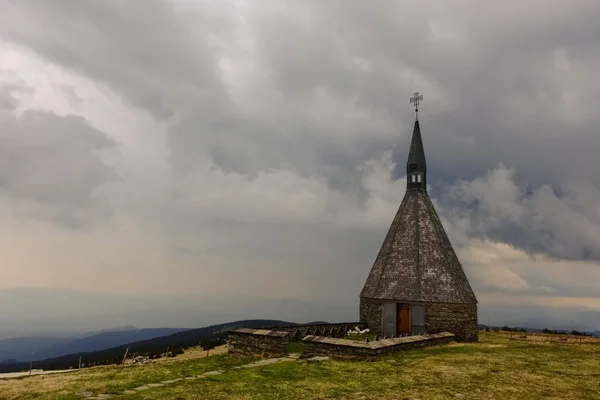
416, 261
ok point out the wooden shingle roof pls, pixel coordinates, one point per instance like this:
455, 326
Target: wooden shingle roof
416, 261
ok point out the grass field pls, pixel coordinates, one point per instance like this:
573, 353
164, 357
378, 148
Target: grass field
494, 368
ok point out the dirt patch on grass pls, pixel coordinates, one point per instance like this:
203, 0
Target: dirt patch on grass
194, 353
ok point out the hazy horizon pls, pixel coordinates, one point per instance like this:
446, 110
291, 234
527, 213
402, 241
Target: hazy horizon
200, 160
58, 312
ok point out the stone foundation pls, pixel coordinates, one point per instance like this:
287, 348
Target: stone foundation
341, 348
459, 319
259, 342
371, 314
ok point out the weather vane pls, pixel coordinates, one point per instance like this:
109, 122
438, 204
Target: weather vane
416, 99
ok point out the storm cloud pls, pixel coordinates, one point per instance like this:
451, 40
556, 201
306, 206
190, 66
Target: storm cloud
259, 146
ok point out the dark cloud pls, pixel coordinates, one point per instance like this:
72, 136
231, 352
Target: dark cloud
564, 224
372, 56
283, 102
144, 52
326, 84
52, 161
7, 100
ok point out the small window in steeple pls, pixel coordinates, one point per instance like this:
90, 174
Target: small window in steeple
413, 178
419, 178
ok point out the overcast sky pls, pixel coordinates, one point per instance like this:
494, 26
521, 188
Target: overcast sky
258, 147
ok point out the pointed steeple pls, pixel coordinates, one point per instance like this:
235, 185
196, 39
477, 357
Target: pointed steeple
416, 168
417, 268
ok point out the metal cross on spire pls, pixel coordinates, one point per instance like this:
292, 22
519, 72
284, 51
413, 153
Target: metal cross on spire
416, 99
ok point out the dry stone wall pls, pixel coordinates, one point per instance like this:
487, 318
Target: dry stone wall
460, 319
341, 348
259, 342
338, 329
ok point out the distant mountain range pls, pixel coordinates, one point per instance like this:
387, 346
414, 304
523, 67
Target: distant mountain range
208, 336
45, 312
595, 333
25, 349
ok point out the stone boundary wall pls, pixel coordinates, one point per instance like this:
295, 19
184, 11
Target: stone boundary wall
336, 330
258, 342
342, 348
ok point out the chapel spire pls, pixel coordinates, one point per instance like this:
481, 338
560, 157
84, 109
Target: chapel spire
416, 168
417, 284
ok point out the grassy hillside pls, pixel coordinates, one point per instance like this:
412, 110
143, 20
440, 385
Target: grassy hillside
494, 368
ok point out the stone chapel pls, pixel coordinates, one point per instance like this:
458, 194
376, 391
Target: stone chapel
417, 284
